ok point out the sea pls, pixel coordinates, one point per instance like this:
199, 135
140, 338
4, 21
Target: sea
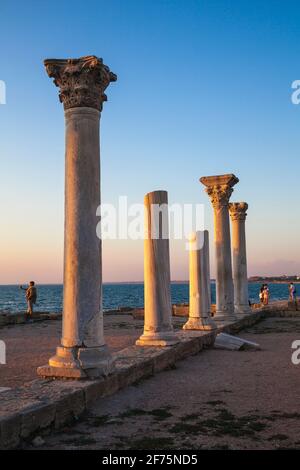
115, 295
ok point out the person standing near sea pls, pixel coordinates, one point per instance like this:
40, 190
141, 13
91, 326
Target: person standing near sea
292, 292
266, 295
261, 294
31, 296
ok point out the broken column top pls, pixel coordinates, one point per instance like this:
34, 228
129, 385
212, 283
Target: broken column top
219, 180
82, 81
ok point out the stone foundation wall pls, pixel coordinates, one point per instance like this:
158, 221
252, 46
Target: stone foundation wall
19, 318
178, 310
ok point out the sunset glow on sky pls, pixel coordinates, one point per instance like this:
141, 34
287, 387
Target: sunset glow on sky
204, 90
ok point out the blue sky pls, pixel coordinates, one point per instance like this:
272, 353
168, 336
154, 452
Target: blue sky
204, 87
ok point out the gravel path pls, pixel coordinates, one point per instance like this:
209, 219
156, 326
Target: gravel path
215, 400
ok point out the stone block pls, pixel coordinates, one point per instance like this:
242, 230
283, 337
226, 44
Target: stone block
187, 347
101, 388
234, 343
39, 416
61, 372
10, 429
69, 407
128, 373
209, 339
163, 359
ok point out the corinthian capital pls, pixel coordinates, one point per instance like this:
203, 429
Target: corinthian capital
82, 81
237, 210
219, 188
219, 195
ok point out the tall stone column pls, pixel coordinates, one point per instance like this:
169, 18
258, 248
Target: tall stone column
219, 189
83, 351
200, 295
238, 216
158, 330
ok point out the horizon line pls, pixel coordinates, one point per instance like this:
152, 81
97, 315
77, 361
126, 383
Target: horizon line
175, 281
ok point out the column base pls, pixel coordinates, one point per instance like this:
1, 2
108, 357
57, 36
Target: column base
225, 316
244, 309
163, 338
204, 324
78, 363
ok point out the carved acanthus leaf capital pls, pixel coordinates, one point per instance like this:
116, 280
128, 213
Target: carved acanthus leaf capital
82, 81
219, 195
238, 210
219, 188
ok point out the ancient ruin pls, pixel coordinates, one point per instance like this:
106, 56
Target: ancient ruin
158, 330
219, 189
83, 351
238, 216
199, 283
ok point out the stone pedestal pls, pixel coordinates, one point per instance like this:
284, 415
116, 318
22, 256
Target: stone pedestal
200, 294
219, 189
158, 330
83, 352
238, 215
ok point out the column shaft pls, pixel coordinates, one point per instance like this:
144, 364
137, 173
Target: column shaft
82, 253
238, 237
200, 292
224, 282
158, 330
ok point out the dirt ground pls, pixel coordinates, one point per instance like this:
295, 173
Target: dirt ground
214, 400
30, 345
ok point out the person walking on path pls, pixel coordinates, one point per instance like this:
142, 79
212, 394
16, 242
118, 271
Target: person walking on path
31, 296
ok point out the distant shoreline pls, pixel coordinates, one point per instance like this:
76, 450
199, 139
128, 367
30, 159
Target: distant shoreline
272, 281
251, 281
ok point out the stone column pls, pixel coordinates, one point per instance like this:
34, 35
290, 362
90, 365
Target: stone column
200, 295
158, 330
83, 352
238, 216
219, 189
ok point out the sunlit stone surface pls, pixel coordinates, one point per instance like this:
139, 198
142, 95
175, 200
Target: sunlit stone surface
219, 189
238, 216
158, 330
82, 83
200, 295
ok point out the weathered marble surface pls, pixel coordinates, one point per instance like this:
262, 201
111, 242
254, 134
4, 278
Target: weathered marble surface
219, 188
199, 286
158, 330
233, 343
238, 216
82, 83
